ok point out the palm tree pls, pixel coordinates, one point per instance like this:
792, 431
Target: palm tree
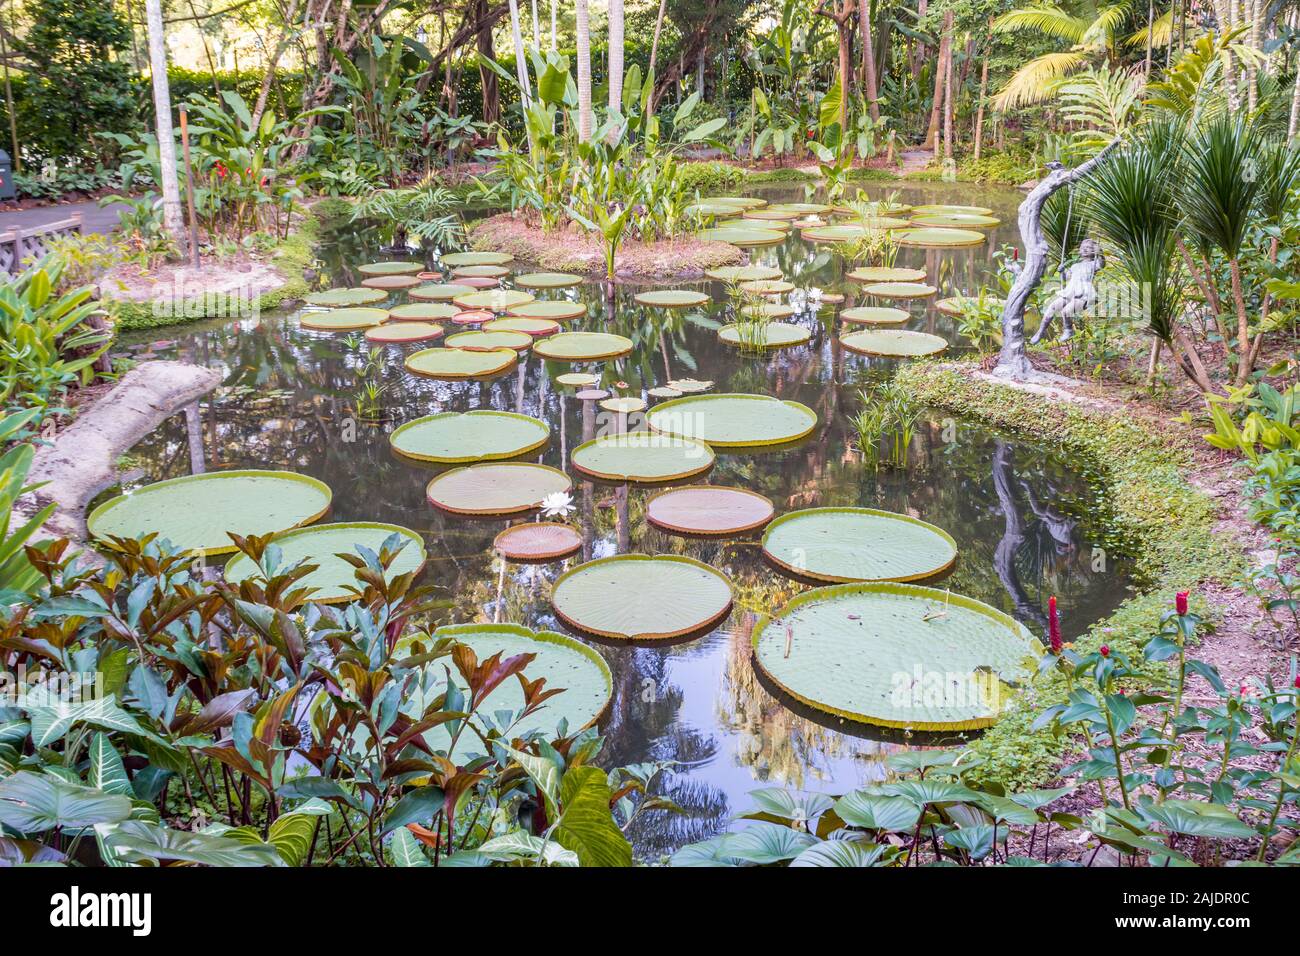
584, 71
615, 55
173, 223
1094, 33
521, 62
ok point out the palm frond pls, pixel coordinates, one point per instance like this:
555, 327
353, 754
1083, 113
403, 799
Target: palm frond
1049, 20
1036, 80
1162, 32
1101, 31
1104, 101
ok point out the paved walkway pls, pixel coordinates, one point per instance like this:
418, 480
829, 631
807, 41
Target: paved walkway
93, 218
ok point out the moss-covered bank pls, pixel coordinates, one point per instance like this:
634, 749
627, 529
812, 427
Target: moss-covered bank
1153, 514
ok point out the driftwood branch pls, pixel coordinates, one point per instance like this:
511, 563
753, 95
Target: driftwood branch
1013, 362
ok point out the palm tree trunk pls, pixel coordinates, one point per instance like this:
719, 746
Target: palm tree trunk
1294, 122
584, 71
947, 92
654, 56
521, 61
554, 26
1243, 324
616, 55
936, 108
868, 59
984, 89
173, 222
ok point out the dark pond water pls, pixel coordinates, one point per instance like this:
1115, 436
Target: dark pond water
1024, 519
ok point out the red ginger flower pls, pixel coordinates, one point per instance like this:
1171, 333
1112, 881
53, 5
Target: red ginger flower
1054, 625
1105, 650
1180, 603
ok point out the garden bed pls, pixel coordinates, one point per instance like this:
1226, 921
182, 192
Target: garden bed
573, 250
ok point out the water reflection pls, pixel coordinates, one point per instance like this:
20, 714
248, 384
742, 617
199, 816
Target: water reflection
1023, 519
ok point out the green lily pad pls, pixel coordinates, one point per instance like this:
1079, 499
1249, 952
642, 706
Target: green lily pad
768, 287
391, 269
895, 655
342, 320
390, 283
740, 202
321, 544
742, 236
458, 437
942, 210
460, 363
935, 238
749, 222
480, 271
499, 488
495, 300
583, 346
476, 259
900, 290
893, 343
558, 310
343, 298
718, 210
534, 328
767, 310
548, 280
195, 512
422, 312
804, 208
743, 273
733, 419
766, 335
960, 220
641, 598
398, 332
774, 214
480, 341
439, 292
847, 232
672, 298
875, 315
642, 457
858, 544
886, 274
565, 664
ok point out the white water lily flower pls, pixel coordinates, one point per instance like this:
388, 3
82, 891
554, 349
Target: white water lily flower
558, 504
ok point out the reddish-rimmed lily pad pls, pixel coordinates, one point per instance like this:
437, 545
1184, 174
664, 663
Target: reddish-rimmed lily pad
499, 488
398, 332
709, 510
536, 328
390, 283
439, 292
538, 542
343, 320
672, 298
345, 298
495, 300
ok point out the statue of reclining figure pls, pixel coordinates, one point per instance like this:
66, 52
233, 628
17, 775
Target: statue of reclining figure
1077, 295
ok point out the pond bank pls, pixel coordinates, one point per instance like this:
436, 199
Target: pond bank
570, 250
1170, 503
82, 459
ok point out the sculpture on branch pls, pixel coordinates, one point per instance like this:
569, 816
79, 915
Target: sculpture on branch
1078, 292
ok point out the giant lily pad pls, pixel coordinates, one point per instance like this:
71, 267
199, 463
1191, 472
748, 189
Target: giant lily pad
422, 312
460, 363
709, 510
741, 202
535, 328
439, 292
743, 273
479, 271
500, 488
717, 210
399, 332
564, 663
342, 320
767, 287
765, 335
641, 598
548, 280
482, 435
767, 310
557, 310
742, 236
321, 544
900, 290
893, 343
476, 259
480, 341
195, 512
672, 298
875, 315
538, 542
858, 544
734, 419
936, 238
847, 232
390, 269
942, 210
583, 346
961, 220
895, 655
390, 283
496, 300
774, 214
344, 298
804, 208
642, 457
887, 274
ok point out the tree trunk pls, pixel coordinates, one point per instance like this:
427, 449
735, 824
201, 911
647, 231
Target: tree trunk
616, 55
947, 91
280, 46
173, 223
936, 108
584, 72
868, 59
1013, 362
654, 57
521, 61
554, 27
490, 84
984, 89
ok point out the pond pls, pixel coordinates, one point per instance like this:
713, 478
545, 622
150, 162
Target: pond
1025, 519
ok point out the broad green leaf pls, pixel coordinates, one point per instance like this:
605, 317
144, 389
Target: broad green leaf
33, 803
107, 771
874, 811
840, 853
586, 825
405, 850
765, 843
291, 835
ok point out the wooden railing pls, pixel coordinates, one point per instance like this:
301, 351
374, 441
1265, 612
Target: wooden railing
18, 245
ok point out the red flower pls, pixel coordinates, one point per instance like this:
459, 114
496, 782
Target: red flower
1180, 603
221, 170
1297, 682
1054, 625
810, 134
1105, 650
